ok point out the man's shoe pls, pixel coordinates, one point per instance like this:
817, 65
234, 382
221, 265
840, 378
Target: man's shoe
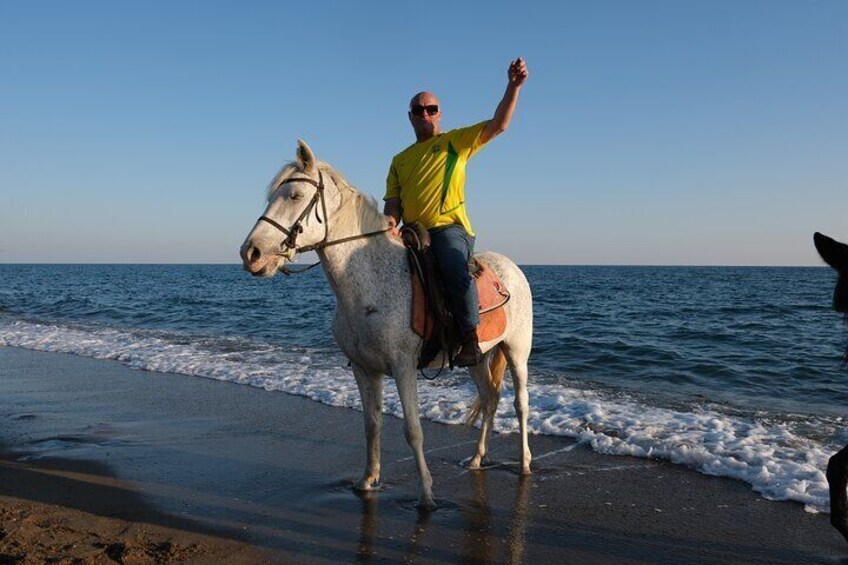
470, 353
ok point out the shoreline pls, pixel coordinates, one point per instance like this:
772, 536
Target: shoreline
238, 470
80, 514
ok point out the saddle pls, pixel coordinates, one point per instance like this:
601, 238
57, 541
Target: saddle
431, 316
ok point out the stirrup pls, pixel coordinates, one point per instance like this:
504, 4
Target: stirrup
469, 355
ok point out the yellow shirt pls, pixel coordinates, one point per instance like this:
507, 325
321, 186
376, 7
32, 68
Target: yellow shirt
429, 178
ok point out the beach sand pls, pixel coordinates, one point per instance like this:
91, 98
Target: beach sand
104, 464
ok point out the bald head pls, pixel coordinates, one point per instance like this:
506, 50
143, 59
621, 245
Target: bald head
424, 99
425, 115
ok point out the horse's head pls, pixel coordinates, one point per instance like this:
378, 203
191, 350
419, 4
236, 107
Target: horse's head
835, 254
300, 197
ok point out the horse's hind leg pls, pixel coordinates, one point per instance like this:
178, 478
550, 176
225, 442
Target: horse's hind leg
488, 376
517, 355
837, 480
371, 394
480, 374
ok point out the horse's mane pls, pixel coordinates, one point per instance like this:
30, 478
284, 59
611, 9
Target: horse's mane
357, 211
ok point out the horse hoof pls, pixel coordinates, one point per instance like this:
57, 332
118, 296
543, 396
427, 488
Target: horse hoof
367, 485
474, 464
427, 506
526, 471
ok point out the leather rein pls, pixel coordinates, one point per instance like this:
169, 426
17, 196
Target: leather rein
290, 242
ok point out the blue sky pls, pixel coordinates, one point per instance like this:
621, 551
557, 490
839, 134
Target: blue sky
694, 133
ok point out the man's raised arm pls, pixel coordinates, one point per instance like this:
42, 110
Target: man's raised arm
517, 75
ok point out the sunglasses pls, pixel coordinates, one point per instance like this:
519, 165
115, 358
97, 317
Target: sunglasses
418, 110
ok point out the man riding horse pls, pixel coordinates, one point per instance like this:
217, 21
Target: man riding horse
426, 184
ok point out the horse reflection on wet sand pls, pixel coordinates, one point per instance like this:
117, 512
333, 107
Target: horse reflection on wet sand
835, 254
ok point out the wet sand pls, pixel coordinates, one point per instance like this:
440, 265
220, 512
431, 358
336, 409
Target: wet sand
102, 463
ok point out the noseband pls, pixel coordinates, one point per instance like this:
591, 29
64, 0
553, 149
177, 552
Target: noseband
290, 242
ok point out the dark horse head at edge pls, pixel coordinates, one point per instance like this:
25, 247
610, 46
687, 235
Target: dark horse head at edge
835, 254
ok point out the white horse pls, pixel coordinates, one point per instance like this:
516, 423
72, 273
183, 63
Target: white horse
312, 207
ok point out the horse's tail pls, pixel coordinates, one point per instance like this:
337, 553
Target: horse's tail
494, 383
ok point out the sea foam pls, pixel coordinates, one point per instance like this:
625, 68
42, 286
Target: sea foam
772, 455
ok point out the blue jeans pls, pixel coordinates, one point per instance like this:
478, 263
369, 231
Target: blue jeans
453, 247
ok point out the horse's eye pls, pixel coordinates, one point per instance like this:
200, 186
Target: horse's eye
297, 195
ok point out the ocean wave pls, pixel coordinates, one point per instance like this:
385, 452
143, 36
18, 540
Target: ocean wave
773, 453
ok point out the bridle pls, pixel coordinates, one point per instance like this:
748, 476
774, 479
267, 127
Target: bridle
289, 247
290, 242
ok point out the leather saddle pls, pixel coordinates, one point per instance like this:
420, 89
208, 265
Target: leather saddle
432, 319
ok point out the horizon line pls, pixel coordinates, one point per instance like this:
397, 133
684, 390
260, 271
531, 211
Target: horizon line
670, 265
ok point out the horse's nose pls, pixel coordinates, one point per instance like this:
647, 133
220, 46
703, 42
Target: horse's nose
250, 253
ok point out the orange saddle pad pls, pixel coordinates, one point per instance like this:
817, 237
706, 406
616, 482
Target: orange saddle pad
491, 293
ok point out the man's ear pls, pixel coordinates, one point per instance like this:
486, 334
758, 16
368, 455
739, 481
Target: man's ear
305, 157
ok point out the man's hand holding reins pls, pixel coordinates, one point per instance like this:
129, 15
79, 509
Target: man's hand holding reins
393, 226
393, 211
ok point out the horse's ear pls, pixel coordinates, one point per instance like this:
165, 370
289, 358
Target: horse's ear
834, 253
305, 157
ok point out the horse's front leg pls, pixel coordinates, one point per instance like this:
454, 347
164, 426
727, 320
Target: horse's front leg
371, 393
837, 480
408, 392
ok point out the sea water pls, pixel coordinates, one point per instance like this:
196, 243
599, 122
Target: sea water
730, 371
